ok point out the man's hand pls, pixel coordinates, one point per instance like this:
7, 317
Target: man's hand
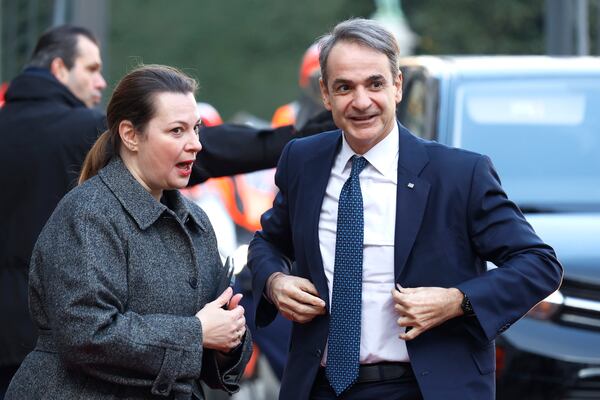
296, 298
425, 307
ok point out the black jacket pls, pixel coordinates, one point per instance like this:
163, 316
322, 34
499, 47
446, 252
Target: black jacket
230, 149
45, 133
237, 149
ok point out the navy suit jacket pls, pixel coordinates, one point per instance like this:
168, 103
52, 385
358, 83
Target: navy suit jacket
452, 216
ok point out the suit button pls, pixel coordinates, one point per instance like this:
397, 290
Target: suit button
318, 353
193, 281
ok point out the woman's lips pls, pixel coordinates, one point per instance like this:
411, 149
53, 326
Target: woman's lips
185, 167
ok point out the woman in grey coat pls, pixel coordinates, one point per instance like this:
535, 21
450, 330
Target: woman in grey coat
123, 281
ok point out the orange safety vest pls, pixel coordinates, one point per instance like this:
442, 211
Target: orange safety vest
246, 197
285, 115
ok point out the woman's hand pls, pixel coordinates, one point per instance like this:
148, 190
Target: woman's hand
222, 329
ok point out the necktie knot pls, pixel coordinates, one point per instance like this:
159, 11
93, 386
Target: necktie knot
358, 164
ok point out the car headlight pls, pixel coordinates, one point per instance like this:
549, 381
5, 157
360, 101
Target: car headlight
548, 307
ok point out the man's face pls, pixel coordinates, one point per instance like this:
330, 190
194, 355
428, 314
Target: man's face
85, 79
361, 93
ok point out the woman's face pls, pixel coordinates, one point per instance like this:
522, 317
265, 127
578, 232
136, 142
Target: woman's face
168, 146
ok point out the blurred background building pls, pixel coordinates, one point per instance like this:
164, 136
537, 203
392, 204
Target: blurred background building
246, 53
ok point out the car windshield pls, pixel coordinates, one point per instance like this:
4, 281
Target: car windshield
542, 135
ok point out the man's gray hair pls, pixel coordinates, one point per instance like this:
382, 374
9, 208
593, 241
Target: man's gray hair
364, 32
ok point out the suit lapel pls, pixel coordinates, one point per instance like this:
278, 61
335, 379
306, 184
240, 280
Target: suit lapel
317, 170
411, 201
411, 197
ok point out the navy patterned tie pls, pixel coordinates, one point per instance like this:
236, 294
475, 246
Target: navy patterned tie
343, 346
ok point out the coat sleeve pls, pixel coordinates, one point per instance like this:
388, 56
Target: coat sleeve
80, 261
528, 270
230, 149
224, 371
271, 249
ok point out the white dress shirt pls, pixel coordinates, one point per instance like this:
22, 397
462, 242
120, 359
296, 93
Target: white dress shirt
379, 331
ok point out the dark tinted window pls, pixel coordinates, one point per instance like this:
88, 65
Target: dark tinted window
416, 110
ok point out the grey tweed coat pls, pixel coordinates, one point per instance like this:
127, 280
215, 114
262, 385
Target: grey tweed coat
116, 279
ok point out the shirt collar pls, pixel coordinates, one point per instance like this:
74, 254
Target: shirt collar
383, 156
139, 203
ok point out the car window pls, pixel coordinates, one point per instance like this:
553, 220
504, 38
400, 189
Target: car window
415, 111
543, 136
414, 108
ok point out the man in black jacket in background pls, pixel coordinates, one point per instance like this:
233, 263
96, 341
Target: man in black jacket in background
47, 126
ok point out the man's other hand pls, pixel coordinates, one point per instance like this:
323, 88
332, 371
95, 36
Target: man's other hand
296, 298
423, 308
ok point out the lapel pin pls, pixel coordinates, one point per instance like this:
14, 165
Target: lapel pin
410, 185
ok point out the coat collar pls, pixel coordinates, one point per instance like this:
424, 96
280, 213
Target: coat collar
412, 156
40, 85
383, 156
139, 203
412, 193
316, 172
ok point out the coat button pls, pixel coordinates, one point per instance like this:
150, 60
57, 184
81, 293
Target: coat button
162, 388
193, 281
318, 353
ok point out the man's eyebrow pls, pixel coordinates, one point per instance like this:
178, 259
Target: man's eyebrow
95, 65
339, 81
371, 78
376, 77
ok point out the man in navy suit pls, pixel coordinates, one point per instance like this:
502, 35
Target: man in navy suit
425, 221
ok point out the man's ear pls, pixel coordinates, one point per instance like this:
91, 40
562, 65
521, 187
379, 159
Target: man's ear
59, 70
129, 138
324, 94
398, 84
